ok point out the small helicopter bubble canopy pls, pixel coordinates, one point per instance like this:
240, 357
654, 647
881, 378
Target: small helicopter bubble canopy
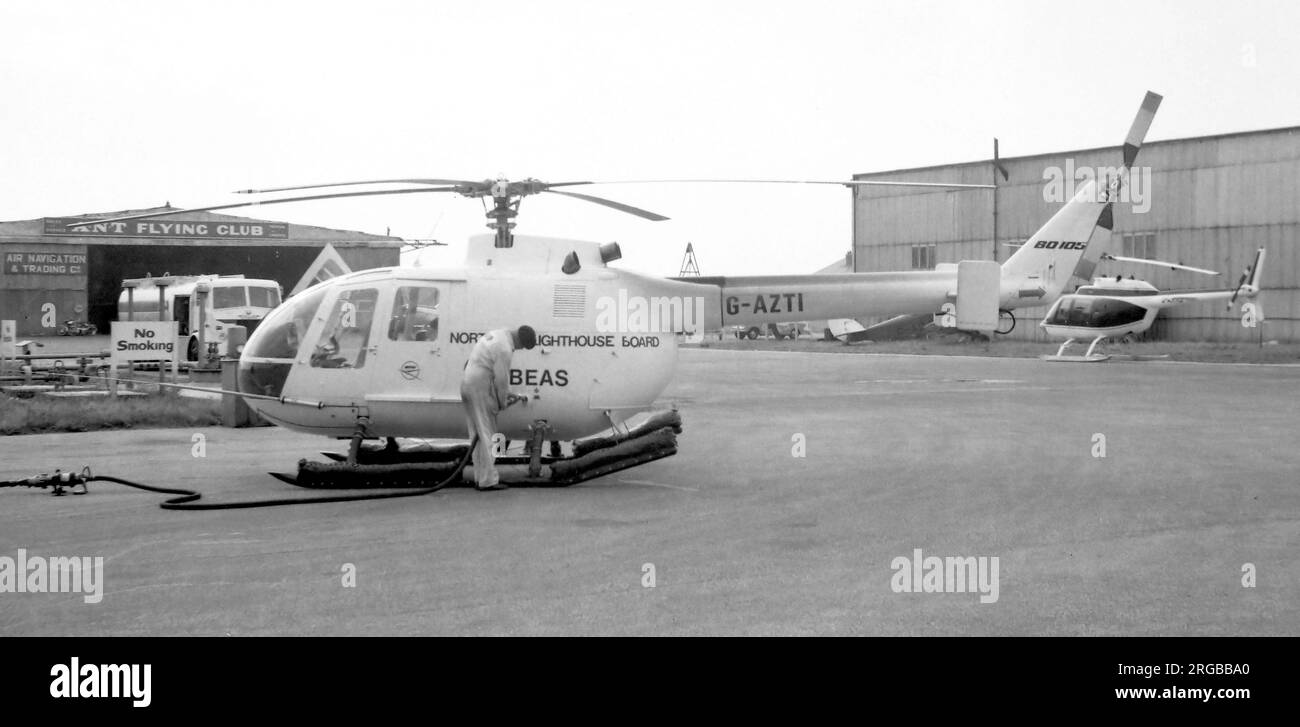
1086, 311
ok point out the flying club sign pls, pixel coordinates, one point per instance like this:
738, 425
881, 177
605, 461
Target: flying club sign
253, 230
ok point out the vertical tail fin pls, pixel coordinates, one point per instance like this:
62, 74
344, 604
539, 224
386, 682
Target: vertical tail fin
1248, 285
1257, 269
1058, 251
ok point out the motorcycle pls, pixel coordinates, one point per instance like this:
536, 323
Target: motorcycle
77, 328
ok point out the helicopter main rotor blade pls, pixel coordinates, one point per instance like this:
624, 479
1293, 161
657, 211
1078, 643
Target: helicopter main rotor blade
479, 187
1157, 263
369, 181
566, 184
849, 183
211, 208
611, 203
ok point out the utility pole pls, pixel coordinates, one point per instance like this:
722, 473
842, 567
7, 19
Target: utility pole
997, 167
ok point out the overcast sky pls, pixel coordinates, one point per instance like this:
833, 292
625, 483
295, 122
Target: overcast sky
114, 105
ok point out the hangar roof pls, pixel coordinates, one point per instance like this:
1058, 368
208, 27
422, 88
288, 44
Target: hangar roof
194, 228
1080, 152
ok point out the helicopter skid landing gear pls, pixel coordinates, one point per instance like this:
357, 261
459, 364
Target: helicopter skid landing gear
1088, 357
354, 446
421, 464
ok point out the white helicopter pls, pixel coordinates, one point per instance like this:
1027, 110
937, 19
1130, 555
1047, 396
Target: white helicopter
380, 353
1123, 308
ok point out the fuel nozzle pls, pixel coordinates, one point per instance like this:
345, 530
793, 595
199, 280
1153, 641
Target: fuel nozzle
59, 482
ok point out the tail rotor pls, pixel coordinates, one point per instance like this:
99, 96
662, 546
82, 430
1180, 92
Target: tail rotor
1248, 283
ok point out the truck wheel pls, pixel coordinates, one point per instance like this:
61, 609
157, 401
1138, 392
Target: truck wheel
752, 333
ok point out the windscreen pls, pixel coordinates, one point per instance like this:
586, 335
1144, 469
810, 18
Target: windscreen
282, 332
262, 297
229, 297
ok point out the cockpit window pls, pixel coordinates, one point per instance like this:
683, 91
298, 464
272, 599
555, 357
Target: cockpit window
343, 340
415, 314
283, 331
1110, 313
1089, 312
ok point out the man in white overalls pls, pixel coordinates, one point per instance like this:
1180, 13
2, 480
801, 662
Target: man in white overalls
484, 389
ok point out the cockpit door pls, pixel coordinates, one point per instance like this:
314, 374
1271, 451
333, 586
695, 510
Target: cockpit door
414, 386
331, 345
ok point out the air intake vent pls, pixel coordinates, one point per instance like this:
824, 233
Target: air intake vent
570, 301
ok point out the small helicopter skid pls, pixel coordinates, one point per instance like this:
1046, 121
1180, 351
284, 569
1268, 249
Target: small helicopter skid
389, 466
1090, 356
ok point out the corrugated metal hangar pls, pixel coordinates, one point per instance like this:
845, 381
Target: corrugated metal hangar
1208, 201
52, 273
